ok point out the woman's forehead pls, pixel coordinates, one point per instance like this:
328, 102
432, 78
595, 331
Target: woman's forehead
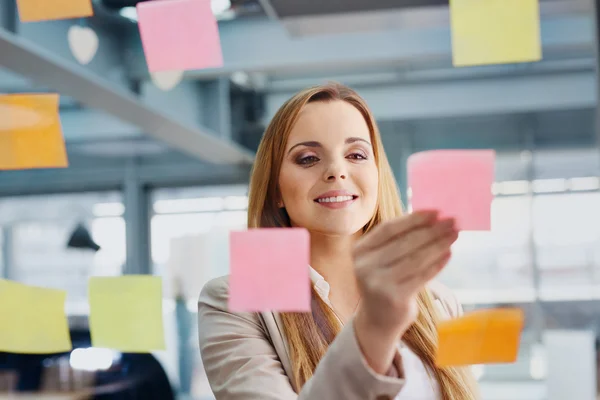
329, 121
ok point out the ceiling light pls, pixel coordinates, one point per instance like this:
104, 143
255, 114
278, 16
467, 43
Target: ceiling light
220, 6
221, 10
585, 183
549, 185
129, 13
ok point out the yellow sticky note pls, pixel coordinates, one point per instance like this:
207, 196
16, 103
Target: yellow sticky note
126, 313
30, 132
495, 31
44, 10
33, 319
480, 337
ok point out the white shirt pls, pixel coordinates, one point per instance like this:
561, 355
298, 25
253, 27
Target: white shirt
420, 384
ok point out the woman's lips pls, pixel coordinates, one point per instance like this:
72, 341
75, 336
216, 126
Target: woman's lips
336, 202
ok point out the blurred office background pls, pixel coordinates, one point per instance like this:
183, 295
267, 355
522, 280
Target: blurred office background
148, 167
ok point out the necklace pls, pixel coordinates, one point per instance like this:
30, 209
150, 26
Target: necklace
337, 313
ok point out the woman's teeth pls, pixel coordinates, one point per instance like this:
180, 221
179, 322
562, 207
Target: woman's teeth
336, 199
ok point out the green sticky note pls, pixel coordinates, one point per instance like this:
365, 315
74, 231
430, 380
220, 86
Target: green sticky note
33, 319
126, 313
495, 31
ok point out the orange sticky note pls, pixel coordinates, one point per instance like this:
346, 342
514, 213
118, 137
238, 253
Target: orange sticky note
44, 10
458, 183
480, 337
30, 132
179, 35
269, 270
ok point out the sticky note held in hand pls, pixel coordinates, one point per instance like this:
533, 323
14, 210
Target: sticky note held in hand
269, 270
44, 10
179, 35
126, 313
33, 319
458, 183
480, 337
30, 132
495, 31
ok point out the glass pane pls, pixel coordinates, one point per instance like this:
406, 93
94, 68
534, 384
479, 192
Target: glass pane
189, 233
567, 237
41, 227
494, 266
204, 214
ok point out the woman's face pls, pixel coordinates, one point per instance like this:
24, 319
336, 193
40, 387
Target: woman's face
329, 179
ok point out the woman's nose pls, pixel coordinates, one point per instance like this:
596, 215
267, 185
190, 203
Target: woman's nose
334, 177
335, 171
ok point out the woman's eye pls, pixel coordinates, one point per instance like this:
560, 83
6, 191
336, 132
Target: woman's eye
357, 156
307, 160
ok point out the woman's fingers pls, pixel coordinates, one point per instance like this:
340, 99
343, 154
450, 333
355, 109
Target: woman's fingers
415, 240
432, 270
390, 230
415, 282
418, 261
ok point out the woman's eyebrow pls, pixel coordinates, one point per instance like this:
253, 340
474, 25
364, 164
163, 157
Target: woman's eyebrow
307, 144
349, 140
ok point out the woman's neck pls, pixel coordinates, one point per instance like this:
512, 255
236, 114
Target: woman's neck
331, 257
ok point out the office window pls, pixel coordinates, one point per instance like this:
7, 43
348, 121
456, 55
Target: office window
494, 266
198, 212
40, 227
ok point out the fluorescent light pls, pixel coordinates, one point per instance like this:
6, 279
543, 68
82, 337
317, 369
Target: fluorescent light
221, 10
495, 188
513, 187
189, 205
108, 209
220, 6
91, 359
129, 13
549, 185
585, 183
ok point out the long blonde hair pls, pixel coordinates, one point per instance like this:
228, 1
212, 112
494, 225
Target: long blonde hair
309, 334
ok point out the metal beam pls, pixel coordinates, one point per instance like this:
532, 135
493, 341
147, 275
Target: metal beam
46, 69
111, 177
95, 125
418, 17
137, 222
508, 94
8, 15
264, 45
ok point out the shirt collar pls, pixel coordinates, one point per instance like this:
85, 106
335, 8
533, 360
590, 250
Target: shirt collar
320, 284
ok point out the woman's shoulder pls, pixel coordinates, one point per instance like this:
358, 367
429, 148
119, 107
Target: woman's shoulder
446, 297
215, 294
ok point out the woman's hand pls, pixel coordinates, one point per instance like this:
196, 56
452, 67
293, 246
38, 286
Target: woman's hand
393, 263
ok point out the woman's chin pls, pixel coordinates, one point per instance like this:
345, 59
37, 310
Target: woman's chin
336, 230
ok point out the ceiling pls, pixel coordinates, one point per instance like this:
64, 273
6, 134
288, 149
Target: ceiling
240, 7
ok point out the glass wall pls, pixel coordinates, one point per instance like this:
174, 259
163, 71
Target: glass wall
189, 228
198, 213
37, 229
549, 228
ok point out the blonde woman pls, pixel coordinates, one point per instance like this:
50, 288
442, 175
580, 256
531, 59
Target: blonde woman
372, 331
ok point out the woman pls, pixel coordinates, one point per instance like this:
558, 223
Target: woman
372, 330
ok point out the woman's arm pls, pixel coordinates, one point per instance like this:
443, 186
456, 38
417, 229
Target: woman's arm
241, 363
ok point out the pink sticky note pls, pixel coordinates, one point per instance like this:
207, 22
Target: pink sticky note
458, 183
179, 35
269, 270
